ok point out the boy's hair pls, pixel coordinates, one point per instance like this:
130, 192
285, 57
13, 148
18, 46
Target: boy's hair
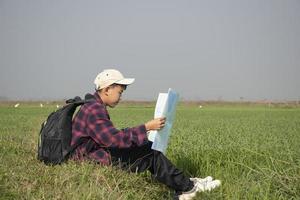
114, 85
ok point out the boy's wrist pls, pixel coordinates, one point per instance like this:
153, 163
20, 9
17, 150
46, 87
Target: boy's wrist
147, 127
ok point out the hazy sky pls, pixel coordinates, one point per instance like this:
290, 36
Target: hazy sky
204, 49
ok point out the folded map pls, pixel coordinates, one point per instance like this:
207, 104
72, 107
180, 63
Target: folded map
165, 107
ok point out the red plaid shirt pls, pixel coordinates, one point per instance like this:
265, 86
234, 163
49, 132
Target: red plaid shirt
94, 131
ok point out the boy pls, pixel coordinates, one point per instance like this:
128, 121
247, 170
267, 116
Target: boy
99, 140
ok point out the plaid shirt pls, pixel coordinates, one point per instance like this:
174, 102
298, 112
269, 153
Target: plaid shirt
94, 131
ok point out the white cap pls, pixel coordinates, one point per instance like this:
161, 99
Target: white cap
110, 76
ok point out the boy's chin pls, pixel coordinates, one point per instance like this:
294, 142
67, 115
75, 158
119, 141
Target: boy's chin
113, 105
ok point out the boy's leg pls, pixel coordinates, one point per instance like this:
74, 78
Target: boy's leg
139, 159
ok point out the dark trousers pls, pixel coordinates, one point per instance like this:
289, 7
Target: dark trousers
139, 159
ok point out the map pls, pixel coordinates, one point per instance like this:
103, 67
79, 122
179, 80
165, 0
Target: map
165, 107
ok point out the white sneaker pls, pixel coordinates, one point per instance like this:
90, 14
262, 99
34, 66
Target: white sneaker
202, 180
200, 185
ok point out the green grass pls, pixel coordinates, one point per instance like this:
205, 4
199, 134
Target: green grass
253, 150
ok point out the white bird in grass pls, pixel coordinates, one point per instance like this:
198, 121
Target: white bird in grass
17, 105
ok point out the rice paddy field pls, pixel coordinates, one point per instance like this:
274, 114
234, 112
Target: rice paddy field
253, 149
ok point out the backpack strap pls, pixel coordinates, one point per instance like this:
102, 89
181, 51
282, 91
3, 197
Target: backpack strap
88, 98
77, 100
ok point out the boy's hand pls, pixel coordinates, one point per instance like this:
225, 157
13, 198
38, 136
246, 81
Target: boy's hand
155, 124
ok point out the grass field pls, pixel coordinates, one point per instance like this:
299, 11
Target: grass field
253, 150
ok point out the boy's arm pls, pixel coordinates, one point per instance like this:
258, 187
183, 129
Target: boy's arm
106, 135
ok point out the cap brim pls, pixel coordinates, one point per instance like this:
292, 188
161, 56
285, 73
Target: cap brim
125, 81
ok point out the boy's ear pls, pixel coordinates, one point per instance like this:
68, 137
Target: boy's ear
105, 90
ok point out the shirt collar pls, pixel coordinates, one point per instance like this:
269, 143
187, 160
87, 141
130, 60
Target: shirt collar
98, 98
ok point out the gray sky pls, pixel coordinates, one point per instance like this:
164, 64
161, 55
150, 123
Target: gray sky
204, 49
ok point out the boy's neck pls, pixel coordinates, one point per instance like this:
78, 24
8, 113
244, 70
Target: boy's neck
103, 97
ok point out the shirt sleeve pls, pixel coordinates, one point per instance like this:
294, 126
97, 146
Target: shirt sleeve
105, 134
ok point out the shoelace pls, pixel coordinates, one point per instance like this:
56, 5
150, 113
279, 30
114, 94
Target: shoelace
207, 185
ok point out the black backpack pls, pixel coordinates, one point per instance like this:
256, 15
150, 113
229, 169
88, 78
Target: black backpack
54, 144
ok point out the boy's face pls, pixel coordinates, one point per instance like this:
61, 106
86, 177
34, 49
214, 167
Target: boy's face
114, 94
